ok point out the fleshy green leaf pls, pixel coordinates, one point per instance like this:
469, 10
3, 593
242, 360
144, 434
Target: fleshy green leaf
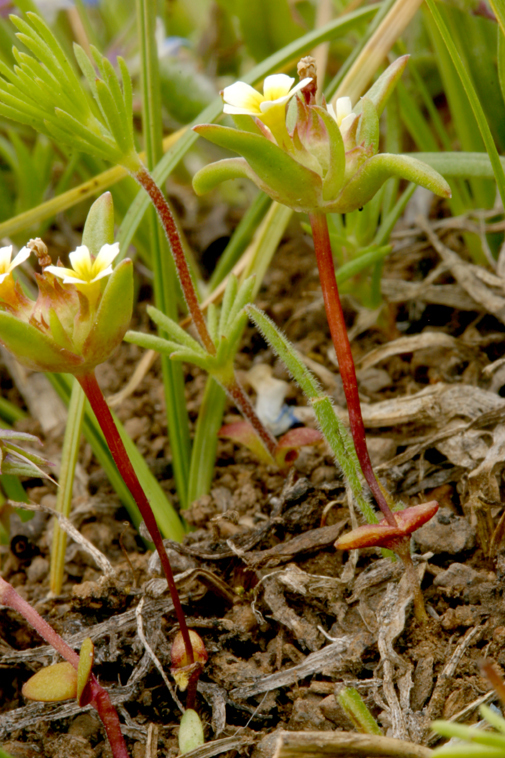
374, 172
284, 179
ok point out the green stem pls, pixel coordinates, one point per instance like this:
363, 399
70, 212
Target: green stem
102, 412
340, 339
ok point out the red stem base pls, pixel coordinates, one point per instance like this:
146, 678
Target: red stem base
102, 412
342, 345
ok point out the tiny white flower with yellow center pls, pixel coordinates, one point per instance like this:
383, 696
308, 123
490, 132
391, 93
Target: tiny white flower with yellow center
6, 265
344, 115
86, 270
270, 107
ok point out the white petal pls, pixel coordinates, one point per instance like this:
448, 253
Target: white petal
23, 254
343, 108
5, 258
347, 122
61, 272
232, 110
276, 86
2, 276
242, 95
303, 83
331, 111
81, 262
105, 257
106, 272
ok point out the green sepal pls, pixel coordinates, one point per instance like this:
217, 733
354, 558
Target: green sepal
86, 657
113, 316
368, 127
332, 182
33, 348
374, 172
381, 90
58, 333
209, 177
246, 124
99, 226
282, 178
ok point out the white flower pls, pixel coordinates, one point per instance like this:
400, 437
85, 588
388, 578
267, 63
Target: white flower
6, 265
241, 98
344, 115
85, 269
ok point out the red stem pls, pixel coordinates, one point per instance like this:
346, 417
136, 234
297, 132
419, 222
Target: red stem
102, 412
144, 178
99, 697
340, 339
244, 405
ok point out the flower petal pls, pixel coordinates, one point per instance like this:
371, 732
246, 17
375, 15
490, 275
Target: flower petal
23, 254
80, 259
5, 258
61, 272
242, 95
105, 257
276, 86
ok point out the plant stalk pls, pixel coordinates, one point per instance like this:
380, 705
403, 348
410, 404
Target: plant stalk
340, 339
144, 178
99, 698
102, 412
244, 405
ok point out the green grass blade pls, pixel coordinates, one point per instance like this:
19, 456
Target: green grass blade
471, 94
69, 455
203, 458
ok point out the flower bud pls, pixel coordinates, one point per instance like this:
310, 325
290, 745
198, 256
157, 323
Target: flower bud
182, 669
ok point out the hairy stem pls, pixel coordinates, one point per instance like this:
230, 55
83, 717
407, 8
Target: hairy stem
99, 697
102, 412
144, 178
340, 339
244, 405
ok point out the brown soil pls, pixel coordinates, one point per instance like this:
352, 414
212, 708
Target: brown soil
265, 607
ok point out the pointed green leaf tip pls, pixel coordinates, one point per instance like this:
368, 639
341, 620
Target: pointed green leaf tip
113, 316
99, 226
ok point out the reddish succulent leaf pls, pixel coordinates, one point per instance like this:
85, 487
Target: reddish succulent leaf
288, 445
384, 535
244, 434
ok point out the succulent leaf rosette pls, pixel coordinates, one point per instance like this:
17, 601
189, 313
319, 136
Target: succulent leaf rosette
327, 162
80, 315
